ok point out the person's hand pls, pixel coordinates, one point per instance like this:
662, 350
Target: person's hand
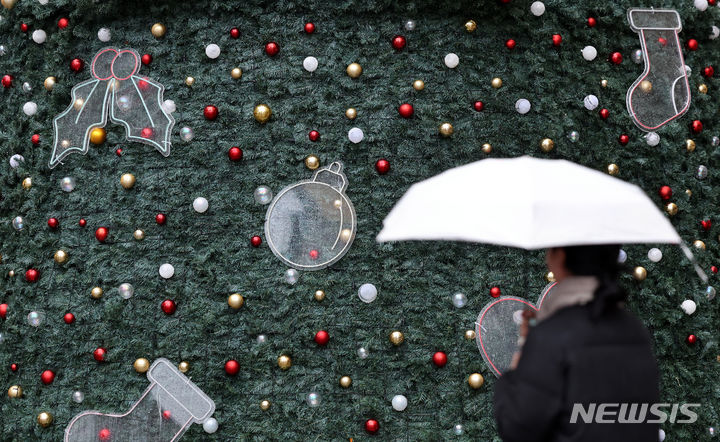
528, 317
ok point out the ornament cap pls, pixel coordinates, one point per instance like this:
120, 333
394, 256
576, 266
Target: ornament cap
332, 175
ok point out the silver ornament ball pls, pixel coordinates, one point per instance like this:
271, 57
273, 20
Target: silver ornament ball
35, 318
263, 195
637, 56
702, 172
78, 396
459, 300
186, 134
458, 430
126, 290
18, 223
67, 184
313, 399
363, 353
573, 136
409, 25
291, 276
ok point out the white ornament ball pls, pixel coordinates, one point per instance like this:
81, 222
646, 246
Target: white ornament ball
167, 271
661, 435
212, 50
591, 102
67, 184
688, 306
15, 160
367, 293
169, 106
522, 106
210, 425
291, 276
356, 135
200, 204
652, 139
310, 64
654, 254
714, 33
30, 108
261, 339
622, 256
537, 9
452, 60
363, 353
701, 4
399, 402
78, 396
589, 53
104, 34
39, 36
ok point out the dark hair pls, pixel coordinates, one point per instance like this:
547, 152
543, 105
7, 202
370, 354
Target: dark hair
600, 261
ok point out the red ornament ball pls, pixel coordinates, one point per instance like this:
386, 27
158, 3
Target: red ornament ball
7, 81
706, 224
82, 222
314, 254
32, 275
24, 27
314, 135
272, 48
693, 44
53, 223
478, 106
382, 166
665, 192
210, 112
322, 337
696, 126
63, 23
495, 292
624, 139
714, 269
372, 426
146, 59
166, 414
712, 2
406, 110
616, 58
118, 152
232, 367
104, 434
146, 132
398, 42
69, 318
77, 65
234, 32
160, 219
662, 41
143, 84
99, 354
556, 40
510, 44
235, 153
439, 359
101, 233
604, 113
255, 241
709, 71
591, 21
47, 377
35, 139
691, 339
309, 27
14, 367
3, 310
168, 306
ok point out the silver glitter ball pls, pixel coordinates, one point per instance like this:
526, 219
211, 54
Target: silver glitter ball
710, 293
409, 25
263, 195
261, 339
78, 396
67, 184
26, 87
363, 353
126, 290
573, 136
313, 399
124, 103
458, 430
702, 172
291, 276
715, 141
459, 300
18, 223
186, 134
35, 318
637, 56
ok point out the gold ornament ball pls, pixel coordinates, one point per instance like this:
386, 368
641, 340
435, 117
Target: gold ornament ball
235, 301
547, 145
613, 169
354, 70
27, 183
9, 4
98, 135
550, 277
15, 391
319, 295
446, 129
262, 113
49, 83
671, 209
703, 88
345, 235
487, 148
312, 162
189, 81
476, 380
345, 382
44, 419
418, 85
698, 244
688, 192
397, 338
350, 113
127, 180
184, 367
141, 365
469, 334
78, 104
265, 405
139, 235
470, 25
96, 293
603, 83
284, 362
646, 86
61, 257
690, 145
158, 30
639, 273
496, 82
236, 73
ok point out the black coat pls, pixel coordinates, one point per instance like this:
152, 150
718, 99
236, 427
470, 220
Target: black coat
572, 358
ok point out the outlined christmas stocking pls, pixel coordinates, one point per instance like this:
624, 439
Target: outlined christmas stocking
115, 91
662, 92
163, 413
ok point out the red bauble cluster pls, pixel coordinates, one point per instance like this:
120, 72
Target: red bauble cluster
665, 192
623, 139
32, 275
63, 23
255, 241
101, 233
382, 166
604, 113
398, 42
709, 71
82, 222
234, 32
35, 139
616, 58
495, 292
439, 359
322, 337
591, 21
47, 377
99, 354
146, 59
696, 126
168, 306
77, 65
3, 310
69, 318
272, 48
706, 224
510, 44
693, 44
232, 367
314, 135
372, 426
7, 81
53, 223
406, 110
556, 40
235, 153
210, 112
691, 339
309, 27
478, 106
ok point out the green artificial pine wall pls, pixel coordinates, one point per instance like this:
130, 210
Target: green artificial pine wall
211, 251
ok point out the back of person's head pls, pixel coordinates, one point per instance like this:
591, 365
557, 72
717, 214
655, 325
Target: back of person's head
600, 261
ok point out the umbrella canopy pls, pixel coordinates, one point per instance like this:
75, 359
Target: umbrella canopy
529, 203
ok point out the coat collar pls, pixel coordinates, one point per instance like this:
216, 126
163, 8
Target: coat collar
574, 290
